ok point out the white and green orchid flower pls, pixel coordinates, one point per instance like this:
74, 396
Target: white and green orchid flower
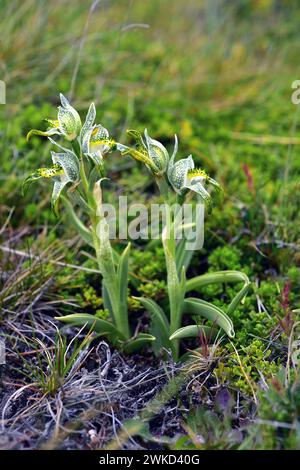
65, 169
68, 122
94, 138
183, 177
149, 151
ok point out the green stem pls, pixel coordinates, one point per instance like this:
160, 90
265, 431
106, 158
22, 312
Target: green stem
85, 183
103, 251
106, 264
169, 245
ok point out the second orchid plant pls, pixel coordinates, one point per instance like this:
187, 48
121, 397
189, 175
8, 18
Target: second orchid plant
77, 173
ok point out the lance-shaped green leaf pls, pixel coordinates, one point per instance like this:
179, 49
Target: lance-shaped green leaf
139, 341
239, 297
102, 327
207, 310
218, 277
194, 331
221, 277
159, 325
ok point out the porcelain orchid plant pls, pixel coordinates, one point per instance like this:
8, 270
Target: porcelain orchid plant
77, 174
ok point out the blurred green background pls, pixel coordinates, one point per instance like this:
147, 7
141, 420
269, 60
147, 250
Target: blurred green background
211, 71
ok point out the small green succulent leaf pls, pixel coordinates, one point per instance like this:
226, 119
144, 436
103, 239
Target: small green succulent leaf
102, 327
193, 331
207, 310
137, 342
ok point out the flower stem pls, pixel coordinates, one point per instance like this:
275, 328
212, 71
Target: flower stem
169, 245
